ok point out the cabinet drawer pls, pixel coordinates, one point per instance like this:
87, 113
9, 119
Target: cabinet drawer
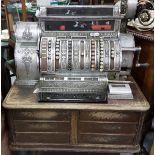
106, 139
41, 126
102, 127
42, 138
110, 116
40, 115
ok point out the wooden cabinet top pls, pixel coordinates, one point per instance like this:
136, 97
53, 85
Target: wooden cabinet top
23, 98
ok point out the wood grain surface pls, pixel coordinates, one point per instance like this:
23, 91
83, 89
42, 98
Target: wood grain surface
23, 97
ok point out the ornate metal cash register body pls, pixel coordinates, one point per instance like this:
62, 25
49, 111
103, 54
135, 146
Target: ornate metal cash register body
65, 61
73, 51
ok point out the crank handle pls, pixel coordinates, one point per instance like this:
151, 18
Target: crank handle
144, 65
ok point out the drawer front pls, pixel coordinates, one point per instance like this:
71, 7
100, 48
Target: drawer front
47, 138
40, 115
41, 126
110, 116
106, 139
112, 127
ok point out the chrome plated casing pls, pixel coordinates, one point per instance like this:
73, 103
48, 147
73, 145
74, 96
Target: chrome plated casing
40, 51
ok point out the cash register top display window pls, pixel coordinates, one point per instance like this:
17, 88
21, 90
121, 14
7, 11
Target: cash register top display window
77, 11
80, 18
79, 25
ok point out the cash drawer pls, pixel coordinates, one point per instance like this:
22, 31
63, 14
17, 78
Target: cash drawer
114, 116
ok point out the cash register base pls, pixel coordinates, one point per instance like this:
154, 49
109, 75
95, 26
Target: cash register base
113, 127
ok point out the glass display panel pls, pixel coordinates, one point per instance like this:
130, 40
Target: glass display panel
100, 25
79, 11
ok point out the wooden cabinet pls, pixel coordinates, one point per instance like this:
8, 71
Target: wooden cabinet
113, 127
108, 127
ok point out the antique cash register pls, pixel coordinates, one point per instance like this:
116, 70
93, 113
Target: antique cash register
66, 65
73, 51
